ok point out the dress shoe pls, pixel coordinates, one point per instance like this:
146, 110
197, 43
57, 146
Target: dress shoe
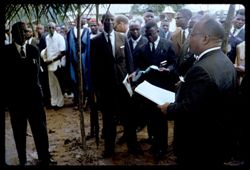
57, 108
47, 162
135, 150
121, 140
107, 154
90, 136
159, 155
148, 141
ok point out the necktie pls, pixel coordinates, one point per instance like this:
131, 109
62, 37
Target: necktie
183, 37
234, 31
109, 44
22, 52
153, 47
131, 44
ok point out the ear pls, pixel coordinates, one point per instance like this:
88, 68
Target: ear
206, 39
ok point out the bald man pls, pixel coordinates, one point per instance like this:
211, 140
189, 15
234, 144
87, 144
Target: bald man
202, 107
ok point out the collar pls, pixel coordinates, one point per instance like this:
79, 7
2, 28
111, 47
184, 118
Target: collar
138, 39
156, 41
186, 32
19, 46
111, 34
207, 51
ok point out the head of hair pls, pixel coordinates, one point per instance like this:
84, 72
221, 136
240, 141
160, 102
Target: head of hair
135, 21
121, 18
16, 27
151, 24
149, 10
52, 24
212, 27
106, 15
240, 11
40, 26
186, 13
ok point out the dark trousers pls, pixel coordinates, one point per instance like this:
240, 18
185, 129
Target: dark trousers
159, 127
36, 117
94, 119
44, 80
2, 136
118, 103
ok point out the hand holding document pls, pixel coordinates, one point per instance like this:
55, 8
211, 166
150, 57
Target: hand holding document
128, 85
154, 93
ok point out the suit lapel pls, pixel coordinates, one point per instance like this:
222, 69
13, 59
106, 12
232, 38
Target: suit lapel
118, 43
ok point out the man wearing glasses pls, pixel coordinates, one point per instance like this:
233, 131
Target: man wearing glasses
203, 104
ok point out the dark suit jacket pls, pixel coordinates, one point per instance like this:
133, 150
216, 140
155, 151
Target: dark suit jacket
108, 71
164, 51
21, 76
138, 46
184, 60
233, 41
169, 36
202, 108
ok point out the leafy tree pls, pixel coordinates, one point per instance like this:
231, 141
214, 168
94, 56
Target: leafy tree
139, 9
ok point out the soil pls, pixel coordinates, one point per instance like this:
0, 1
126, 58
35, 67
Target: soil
65, 142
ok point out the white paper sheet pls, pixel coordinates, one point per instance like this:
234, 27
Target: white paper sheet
128, 85
154, 93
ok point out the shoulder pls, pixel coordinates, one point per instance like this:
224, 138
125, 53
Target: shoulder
176, 32
97, 38
165, 42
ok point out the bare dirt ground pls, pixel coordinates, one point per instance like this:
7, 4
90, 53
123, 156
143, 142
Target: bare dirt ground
66, 147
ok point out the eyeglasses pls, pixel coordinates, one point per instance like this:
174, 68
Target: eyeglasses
51, 27
194, 34
179, 17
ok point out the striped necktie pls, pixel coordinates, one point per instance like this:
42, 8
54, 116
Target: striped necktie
22, 52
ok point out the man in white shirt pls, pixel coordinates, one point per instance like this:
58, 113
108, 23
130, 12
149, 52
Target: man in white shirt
54, 52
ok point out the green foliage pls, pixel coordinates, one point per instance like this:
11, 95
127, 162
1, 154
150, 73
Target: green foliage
139, 9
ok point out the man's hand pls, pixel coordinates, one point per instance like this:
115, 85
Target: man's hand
48, 61
163, 107
131, 76
164, 69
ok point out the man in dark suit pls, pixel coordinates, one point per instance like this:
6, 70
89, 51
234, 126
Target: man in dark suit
201, 132
136, 41
155, 52
165, 27
110, 61
23, 95
237, 34
162, 51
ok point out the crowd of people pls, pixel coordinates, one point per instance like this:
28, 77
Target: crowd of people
210, 85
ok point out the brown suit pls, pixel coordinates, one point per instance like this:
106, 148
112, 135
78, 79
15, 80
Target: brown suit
176, 40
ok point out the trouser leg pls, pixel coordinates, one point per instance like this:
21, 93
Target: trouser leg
19, 127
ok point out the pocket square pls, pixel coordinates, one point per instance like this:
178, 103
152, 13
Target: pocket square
122, 46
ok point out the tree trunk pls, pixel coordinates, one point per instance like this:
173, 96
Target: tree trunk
80, 79
227, 26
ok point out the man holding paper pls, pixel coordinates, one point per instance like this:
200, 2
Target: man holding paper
158, 52
201, 132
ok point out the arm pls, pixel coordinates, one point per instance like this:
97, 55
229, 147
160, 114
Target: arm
192, 94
